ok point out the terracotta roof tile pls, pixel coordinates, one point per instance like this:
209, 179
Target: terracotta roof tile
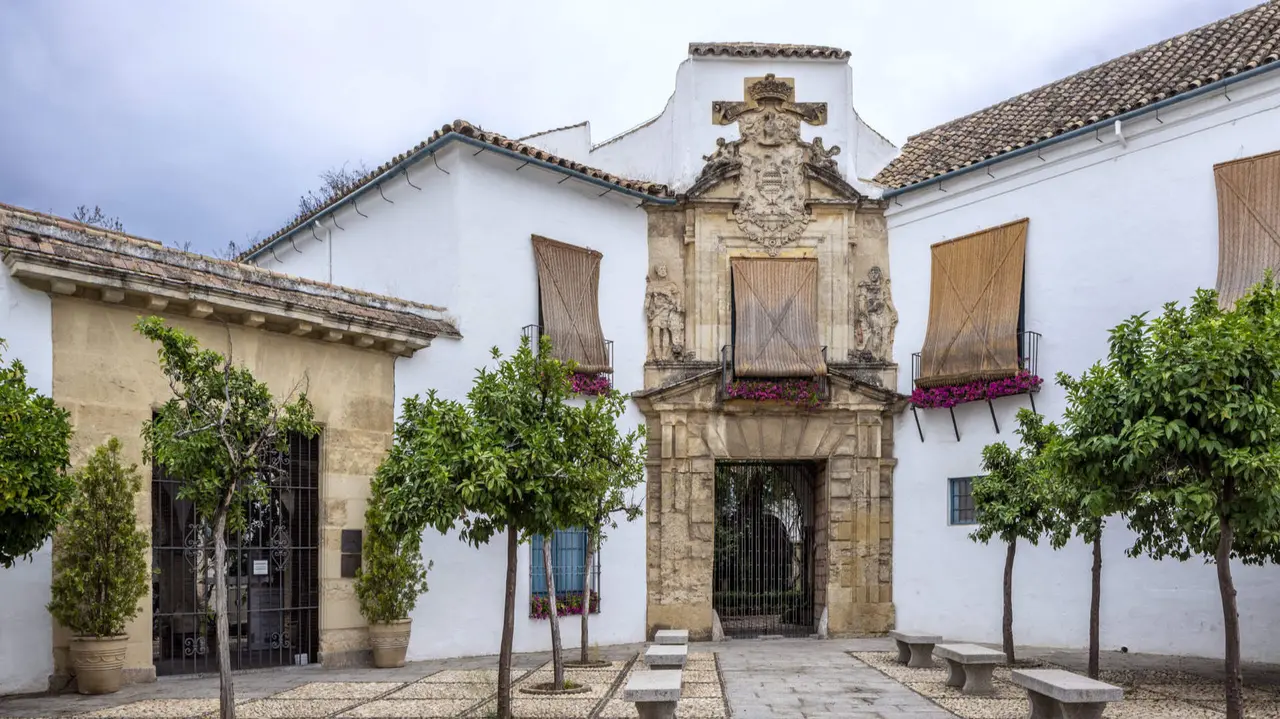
466, 129
26, 232
766, 49
1244, 41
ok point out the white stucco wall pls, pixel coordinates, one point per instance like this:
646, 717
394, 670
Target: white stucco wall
499, 210
1113, 231
26, 630
573, 142
404, 248
464, 242
670, 148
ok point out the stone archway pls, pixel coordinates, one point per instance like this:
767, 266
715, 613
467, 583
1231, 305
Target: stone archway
850, 436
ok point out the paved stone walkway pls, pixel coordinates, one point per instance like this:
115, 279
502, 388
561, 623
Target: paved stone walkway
808, 679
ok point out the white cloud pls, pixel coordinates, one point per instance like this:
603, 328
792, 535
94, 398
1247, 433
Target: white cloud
206, 121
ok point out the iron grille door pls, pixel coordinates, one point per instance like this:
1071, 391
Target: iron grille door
764, 549
273, 576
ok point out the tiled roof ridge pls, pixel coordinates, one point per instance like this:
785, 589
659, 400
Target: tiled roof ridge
1164, 69
65, 230
548, 132
475, 132
766, 49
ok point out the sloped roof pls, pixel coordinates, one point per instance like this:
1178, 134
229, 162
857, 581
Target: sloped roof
766, 49
462, 128
1221, 49
50, 247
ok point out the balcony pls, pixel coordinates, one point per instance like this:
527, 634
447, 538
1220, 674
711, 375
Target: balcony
1025, 381
588, 383
801, 391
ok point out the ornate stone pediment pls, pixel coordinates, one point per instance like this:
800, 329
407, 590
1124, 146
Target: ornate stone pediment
771, 162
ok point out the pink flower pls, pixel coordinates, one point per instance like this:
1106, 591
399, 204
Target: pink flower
592, 383
800, 392
952, 395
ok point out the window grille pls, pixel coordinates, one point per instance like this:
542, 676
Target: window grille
962, 511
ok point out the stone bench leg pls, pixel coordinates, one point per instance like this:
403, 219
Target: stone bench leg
921, 656
1083, 711
977, 680
955, 673
1042, 707
904, 652
656, 710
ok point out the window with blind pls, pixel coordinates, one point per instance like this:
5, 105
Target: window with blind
568, 554
1248, 223
975, 304
775, 318
569, 290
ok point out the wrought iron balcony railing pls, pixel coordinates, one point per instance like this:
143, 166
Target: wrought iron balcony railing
534, 332
1029, 384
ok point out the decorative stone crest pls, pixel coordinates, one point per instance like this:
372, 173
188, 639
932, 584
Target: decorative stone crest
770, 159
664, 308
876, 319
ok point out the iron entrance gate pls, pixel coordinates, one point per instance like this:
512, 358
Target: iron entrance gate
764, 549
272, 574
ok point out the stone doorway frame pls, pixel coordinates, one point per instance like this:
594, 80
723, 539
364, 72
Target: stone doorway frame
691, 428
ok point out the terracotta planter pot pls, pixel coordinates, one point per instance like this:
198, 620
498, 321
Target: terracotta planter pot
98, 663
390, 641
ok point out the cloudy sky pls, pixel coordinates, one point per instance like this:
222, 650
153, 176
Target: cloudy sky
203, 122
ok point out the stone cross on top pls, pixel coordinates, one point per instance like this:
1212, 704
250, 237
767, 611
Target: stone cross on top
768, 89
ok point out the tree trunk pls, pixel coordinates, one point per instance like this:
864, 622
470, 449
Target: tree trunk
1008, 602
557, 659
226, 693
586, 592
1095, 605
1230, 614
508, 628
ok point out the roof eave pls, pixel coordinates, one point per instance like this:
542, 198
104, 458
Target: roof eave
1085, 129
430, 149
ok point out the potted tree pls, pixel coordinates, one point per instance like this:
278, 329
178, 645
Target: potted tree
100, 569
388, 584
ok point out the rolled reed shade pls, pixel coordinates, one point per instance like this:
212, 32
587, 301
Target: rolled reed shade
775, 318
569, 285
1248, 223
974, 300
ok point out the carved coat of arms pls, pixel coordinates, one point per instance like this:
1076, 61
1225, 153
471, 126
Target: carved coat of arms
770, 157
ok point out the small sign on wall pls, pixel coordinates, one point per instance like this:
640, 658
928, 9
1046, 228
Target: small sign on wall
260, 567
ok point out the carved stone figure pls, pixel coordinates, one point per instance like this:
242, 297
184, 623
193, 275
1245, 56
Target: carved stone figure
820, 156
664, 308
725, 156
876, 319
771, 209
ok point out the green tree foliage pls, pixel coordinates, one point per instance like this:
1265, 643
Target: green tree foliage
217, 435
100, 568
392, 576
34, 487
1086, 477
1009, 501
616, 469
1185, 426
515, 459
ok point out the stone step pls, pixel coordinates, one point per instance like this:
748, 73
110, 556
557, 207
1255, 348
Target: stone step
665, 656
671, 636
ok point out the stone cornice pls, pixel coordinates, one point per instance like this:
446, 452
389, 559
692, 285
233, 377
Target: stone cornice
153, 293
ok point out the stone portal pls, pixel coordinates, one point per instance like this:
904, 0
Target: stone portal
770, 195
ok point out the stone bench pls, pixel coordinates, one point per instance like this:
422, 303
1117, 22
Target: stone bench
915, 650
1056, 693
970, 667
666, 656
671, 636
655, 694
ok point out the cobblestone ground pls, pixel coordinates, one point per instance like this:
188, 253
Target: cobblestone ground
745, 679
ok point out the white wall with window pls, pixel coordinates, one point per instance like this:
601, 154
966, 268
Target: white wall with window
1114, 228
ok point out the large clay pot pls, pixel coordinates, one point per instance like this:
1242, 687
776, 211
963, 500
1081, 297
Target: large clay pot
98, 663
390, 641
